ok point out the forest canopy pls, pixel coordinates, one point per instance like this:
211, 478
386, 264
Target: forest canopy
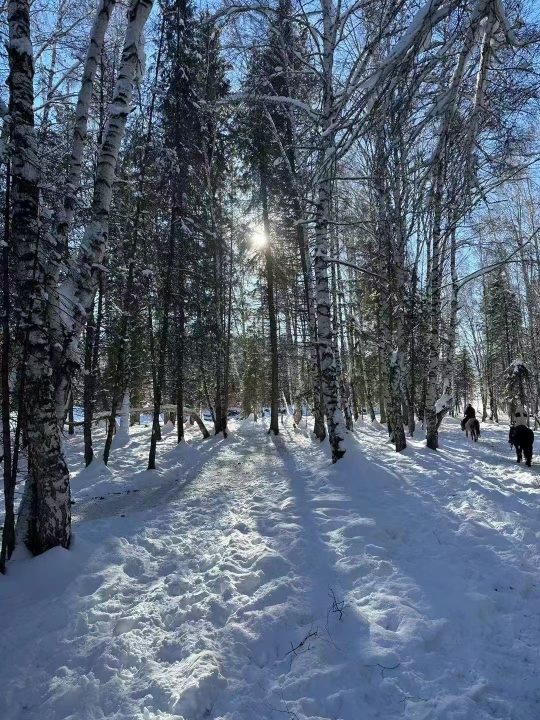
325, 209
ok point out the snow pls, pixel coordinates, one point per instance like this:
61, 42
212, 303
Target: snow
21, 45
443, 403
516, 367
251, 579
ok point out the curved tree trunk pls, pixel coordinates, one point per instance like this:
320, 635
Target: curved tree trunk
63, 219
78, 289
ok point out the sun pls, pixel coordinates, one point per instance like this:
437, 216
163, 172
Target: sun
258, 237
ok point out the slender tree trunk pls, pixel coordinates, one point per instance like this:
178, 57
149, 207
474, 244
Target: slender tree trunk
445, 402
220, 406
354, 369
365, 385
92, 348
432, 433
272, 315
288, 148
324, 325
380, 371
64, 217
339, 349
159, 374
71, 418
366, 390
412, 357
120, 380
207, 394
180, 361
8, 534
88, 390
315, 363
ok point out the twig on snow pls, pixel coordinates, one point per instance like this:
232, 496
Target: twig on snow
288, 712
337, 605
294, 648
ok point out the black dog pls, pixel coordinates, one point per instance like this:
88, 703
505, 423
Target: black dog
522, 438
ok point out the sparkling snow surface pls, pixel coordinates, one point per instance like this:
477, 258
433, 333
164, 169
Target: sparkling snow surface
249, 579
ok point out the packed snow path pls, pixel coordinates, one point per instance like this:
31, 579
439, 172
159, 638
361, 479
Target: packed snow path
252, 580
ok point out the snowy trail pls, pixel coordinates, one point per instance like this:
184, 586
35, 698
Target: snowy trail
253, 580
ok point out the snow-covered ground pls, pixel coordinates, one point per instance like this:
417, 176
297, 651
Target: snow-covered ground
249, 579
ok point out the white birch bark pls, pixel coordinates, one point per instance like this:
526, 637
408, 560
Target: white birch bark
434, 285
122, 433
47, 495
78, 290
64, 215
329, 379
446, 399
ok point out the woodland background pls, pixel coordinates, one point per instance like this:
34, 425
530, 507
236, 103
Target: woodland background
325, 207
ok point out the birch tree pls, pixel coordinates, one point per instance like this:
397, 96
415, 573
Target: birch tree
47, 500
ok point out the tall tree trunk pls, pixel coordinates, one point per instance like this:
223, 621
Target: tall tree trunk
324, 326
315, 361
49, 521
272, 315
287, 59
159, 374
339, 341
330, 392
8, 533
390, 231
353, 369
434, 283
180, 359
120, 377
63, 219
380, 370
78, 289
91, 355
221, 399
411, 388
365, 386
71, 418
64, 216
447, 394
